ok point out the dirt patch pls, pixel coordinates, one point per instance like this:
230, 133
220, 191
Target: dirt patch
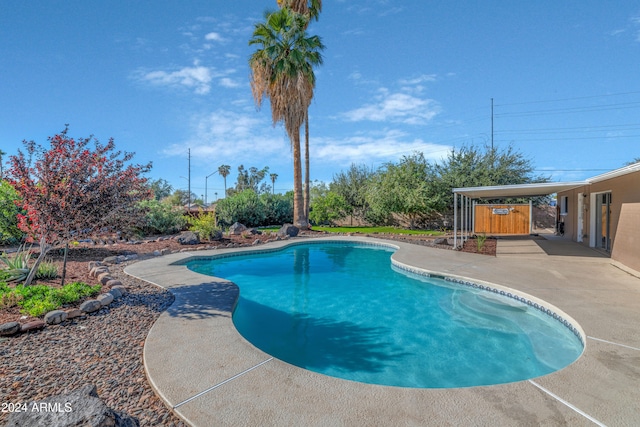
488, 248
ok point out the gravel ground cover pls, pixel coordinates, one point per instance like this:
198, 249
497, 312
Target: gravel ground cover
104, 349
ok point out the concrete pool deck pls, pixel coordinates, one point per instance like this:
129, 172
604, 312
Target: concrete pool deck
210, 375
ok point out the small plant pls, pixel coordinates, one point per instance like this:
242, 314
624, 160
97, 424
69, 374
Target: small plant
206, 226
480, 240
17, 267
8, 298
47, 271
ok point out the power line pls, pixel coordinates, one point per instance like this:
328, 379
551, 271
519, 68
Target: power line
583, 129
569, 99
575, 138
607, 107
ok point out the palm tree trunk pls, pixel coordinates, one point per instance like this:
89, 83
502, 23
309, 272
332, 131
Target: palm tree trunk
299, 219
307, 188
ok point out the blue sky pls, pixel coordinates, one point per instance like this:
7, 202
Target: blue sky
163, 77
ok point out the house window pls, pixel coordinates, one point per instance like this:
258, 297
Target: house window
564, 205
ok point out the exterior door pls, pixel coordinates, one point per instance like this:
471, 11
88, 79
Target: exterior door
603, 221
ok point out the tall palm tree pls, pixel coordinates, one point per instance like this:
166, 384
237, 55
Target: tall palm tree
282, 70
273, 177
311, 9
224, 171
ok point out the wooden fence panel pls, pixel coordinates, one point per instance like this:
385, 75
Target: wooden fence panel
502, 219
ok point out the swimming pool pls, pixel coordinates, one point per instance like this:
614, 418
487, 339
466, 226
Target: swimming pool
342, 310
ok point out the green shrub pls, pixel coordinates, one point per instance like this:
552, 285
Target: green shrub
253, 210
328, 208
206, 226
9, 231
277, 208
16, 266
36, 300
162, 217
244, 207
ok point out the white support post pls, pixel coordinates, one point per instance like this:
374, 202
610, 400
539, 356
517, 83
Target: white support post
530, 216
473, 217
464, 217
469, 228
455, 220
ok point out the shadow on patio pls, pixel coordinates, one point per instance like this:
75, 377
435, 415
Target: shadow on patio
545, 245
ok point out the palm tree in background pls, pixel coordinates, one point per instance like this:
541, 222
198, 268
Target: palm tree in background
273, 177
2, 153
282, 70
224, 171
311, 9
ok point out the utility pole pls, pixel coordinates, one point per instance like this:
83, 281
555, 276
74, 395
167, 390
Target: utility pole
492, 125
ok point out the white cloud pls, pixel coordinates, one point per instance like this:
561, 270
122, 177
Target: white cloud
213, 36
397, 108
388, 145
424, 78
197, 78
232, 137
229, 83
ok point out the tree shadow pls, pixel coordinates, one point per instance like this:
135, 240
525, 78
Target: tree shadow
315, 343
211, 299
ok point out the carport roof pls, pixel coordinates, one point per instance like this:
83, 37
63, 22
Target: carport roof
519, 190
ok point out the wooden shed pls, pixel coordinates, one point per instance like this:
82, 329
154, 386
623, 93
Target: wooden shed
470, 216
502, 219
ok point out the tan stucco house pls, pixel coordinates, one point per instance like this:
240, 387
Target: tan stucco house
602, 212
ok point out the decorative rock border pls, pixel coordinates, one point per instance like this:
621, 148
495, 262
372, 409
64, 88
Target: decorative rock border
98, 270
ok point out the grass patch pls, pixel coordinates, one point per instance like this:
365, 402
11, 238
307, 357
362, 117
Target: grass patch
378, 230
36, 300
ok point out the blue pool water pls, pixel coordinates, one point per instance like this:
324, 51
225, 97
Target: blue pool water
343, 310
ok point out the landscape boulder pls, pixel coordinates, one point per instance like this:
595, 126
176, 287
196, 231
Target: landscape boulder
188, 238
9, 328
82, 407
32, 326
288, 230
115, 259
115, 292
215, 235
105, 299
236, 229
91, 305
441, 241
54, 317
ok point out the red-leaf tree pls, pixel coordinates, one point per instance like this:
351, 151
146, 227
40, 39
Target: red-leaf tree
75, 188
